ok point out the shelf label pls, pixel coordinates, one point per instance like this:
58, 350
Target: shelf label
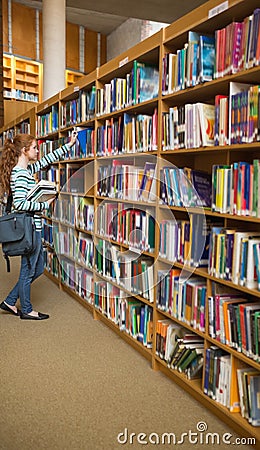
218, 9
123, 62
76, 88
135, 250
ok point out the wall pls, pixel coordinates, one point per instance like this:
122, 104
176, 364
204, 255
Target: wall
124, 37
129, 34
24, 42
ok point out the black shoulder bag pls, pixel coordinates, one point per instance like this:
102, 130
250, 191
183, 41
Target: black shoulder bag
17, 233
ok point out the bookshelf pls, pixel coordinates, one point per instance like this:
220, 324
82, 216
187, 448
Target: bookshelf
22, 78
100, 247
7, 75
72, 76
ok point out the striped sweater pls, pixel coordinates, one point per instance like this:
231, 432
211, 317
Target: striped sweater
22, 181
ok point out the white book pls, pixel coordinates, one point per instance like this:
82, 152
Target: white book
239, 235
251, 278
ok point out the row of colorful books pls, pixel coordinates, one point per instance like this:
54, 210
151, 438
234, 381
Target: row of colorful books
231, 49
141, 84
84, 284
124, 180
236, 188
84, 213
76, 211
230, 188
78, 248
72, 178
127, 134
227, 253
183, 186
234, 255
24, 127
235, 321
232, 119
189, 240
131, 315
128, 269
47, 232
51, 174
47, 146
237, 45
181, 350
48, 123
85, 144
83, 148
231, 383
128, 225
51, 263
78, 279
191, 65
80, 109
182, 297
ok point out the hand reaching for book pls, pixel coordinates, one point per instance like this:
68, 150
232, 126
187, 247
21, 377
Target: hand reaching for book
73, 138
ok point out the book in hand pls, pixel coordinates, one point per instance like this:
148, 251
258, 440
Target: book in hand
42, 191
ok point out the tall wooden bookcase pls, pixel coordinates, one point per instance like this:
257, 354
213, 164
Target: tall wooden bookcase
55, 120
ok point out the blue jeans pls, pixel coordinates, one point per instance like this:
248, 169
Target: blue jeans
22, 288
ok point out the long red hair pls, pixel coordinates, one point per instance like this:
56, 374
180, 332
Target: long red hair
11, 151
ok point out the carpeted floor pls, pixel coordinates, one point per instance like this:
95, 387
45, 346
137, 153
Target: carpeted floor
70, 383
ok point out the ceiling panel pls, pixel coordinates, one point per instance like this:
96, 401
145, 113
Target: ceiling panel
105, 16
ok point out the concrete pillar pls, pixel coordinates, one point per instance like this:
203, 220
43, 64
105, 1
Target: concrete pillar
54, 46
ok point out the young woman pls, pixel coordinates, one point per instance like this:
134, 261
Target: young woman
17, 178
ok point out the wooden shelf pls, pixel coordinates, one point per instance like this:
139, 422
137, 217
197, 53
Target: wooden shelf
22, 79
72, 77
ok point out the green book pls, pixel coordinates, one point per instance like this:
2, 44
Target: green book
151, 237
191, 357
182, 357
239, 336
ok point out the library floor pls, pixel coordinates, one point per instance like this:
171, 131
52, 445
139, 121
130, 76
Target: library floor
70, 383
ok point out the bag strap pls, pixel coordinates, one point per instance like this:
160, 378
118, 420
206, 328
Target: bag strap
9, 203
7, 262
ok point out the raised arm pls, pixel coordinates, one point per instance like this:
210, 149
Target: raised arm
51, 157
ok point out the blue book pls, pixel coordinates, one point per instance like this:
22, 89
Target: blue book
148, 83
140, 337
92, 103
206, 58
81, 143
243, 264
202, 188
